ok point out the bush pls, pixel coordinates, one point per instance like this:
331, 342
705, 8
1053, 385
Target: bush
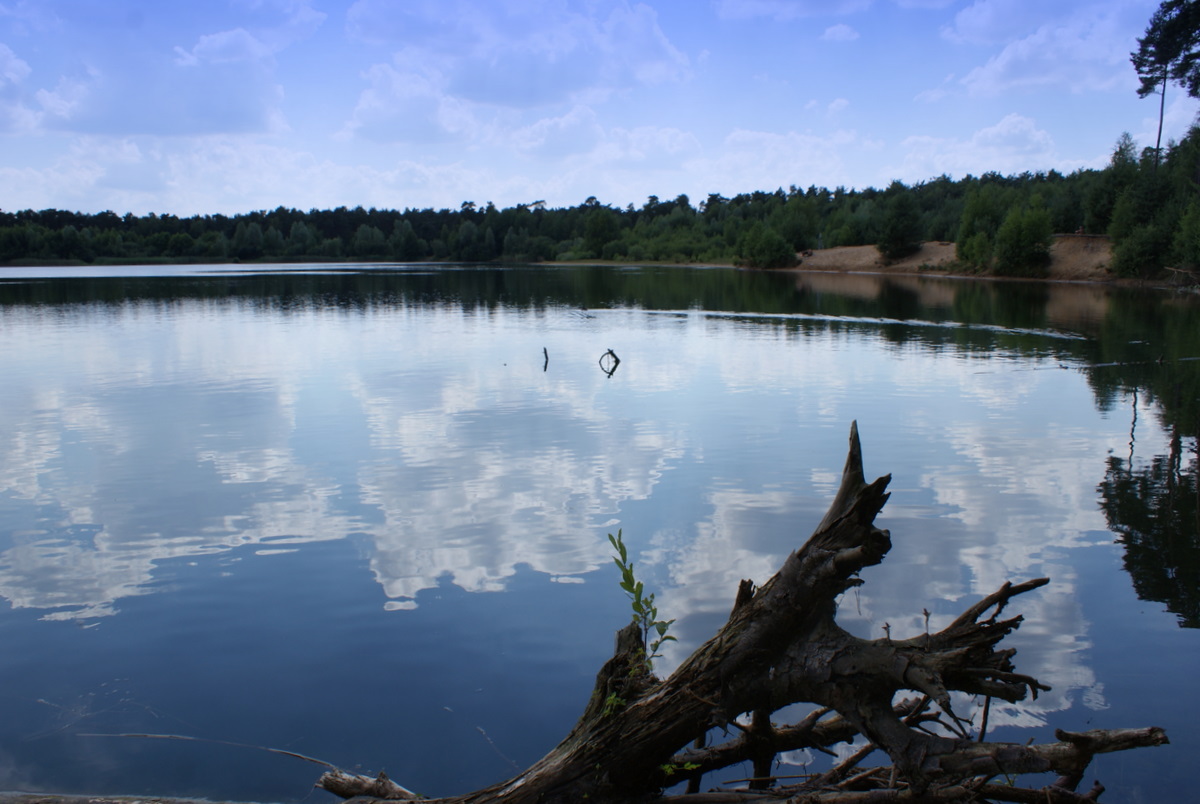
762, 247
975, 250
1187, 238
1142, 252
1023, 242
901, 234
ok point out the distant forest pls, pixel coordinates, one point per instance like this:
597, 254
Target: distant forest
1147, 201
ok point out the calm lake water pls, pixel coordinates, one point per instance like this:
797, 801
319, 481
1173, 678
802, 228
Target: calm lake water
361, 514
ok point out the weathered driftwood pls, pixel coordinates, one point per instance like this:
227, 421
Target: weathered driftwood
780, 646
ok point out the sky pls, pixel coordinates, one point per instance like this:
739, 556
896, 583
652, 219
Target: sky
231, 106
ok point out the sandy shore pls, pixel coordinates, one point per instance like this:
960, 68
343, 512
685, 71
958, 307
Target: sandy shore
1073, 258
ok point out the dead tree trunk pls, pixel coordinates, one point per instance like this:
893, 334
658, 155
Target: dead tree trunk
780, 646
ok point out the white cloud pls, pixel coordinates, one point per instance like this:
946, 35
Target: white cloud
634, 32
1013, 145
578, 131
1179, 116
526, 55
785, 10
15, 115
1086, 53
755, 160
12, 69
124, 74
408, 106
840, 33
996, 21
654, 145
523, 99
65, 100
226, 47
938, 93
286, 21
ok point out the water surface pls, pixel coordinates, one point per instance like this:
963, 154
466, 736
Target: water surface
361, 514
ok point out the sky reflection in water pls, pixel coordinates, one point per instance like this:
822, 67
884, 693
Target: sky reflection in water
368, 532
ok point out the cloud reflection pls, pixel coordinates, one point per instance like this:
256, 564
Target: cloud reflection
169, 433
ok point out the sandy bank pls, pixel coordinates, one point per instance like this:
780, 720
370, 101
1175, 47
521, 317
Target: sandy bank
1073, 258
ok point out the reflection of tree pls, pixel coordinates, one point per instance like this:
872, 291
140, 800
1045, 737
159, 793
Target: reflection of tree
1154, 511
1149, 347
1150, 343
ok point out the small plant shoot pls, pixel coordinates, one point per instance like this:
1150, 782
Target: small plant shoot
645, 613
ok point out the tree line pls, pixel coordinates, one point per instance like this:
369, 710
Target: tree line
1146, 201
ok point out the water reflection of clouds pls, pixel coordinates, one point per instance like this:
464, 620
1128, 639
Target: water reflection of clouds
520, 495
441, 439
1006, 502
204, 441
1013, 507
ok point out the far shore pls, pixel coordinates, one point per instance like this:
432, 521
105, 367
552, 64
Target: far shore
1073, 258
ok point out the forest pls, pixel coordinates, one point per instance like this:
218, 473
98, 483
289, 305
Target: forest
1144, 199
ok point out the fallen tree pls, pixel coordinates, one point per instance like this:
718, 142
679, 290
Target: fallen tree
781, 645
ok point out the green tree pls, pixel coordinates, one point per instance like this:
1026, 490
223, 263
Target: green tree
985, 209
467, 242
273, 244
1142, 251
301, 239
901, 235
1023, 242
488, 249
248, 240
214, 245
332, 248
762, 247
1169, 51
601, 228
1187, 238
1101, 198
180, 244
405, 243
369, 242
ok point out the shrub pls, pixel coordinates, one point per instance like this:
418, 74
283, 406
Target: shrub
975, 250
1023, 242
901, 228
1187, 238
762, 247
1142, 252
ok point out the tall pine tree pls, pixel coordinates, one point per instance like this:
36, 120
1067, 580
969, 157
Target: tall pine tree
1169, 51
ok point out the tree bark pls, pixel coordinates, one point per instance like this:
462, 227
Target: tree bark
781, 645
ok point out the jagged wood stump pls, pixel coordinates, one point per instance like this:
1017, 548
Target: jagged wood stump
781, 646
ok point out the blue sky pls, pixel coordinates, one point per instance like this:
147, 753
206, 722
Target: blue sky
235, 105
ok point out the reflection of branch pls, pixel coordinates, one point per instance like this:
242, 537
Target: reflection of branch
546, 365
190, 739
782, 646
1133, 428
612, 360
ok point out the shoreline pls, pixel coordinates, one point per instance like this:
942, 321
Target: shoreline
1074, 258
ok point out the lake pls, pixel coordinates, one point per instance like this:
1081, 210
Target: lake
361, 513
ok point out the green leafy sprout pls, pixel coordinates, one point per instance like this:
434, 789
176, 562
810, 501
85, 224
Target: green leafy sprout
645, 613
612, 704
671, 768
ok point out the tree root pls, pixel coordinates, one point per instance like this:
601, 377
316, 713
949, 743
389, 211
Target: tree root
782, 645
